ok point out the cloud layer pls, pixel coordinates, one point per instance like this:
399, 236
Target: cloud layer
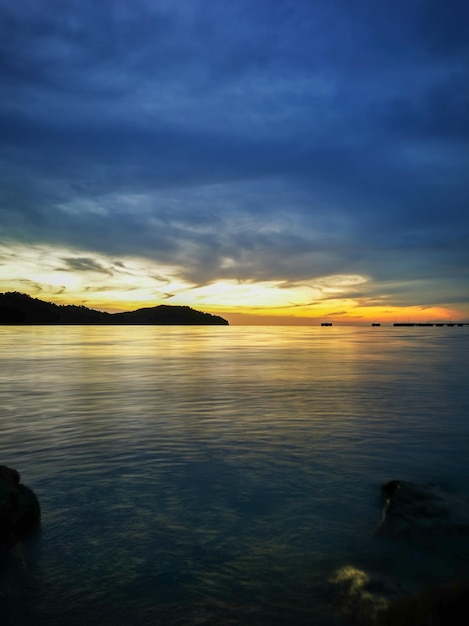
242, 141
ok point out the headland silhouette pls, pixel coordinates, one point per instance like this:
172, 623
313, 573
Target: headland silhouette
20, 309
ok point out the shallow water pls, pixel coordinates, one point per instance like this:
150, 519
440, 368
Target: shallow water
222, 475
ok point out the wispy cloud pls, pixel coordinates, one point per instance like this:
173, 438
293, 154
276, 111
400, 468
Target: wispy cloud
83, 264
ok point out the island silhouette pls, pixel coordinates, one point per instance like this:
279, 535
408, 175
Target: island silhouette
21, 309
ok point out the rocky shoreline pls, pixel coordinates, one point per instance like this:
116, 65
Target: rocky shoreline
414, 514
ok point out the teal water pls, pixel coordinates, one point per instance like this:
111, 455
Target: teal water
222, 475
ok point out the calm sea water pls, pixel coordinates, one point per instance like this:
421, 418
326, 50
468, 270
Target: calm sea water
222, 475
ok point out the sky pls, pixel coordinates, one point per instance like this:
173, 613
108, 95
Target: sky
271, 161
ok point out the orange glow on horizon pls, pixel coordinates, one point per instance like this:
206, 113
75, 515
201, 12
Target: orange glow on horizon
102, 283
353, 317
266, 316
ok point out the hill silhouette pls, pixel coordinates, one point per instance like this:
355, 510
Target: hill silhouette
21, 309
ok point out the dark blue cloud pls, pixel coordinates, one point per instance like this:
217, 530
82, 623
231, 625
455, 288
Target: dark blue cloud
83, 264
295, 138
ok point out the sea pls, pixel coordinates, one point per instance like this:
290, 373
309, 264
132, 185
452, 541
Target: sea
225, 475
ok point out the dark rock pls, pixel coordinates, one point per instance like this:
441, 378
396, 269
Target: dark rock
420, 511
429, 529
20, 512
439, 606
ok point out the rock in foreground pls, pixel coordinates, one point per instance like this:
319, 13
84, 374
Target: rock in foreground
421, 511
423, 581
441, 606
20, 512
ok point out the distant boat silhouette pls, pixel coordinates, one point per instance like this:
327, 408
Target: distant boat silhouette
326, 323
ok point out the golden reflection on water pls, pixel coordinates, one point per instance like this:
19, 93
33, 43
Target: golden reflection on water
224, 470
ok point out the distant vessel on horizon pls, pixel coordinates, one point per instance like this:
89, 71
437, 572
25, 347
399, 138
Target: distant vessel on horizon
431, 324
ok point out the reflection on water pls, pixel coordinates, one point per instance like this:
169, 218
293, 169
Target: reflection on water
220, 475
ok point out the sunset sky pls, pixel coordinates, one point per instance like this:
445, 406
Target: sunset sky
271, 161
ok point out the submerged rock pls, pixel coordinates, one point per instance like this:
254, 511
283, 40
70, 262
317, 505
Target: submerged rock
421, 579
421, 511
434, 525
20, 512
